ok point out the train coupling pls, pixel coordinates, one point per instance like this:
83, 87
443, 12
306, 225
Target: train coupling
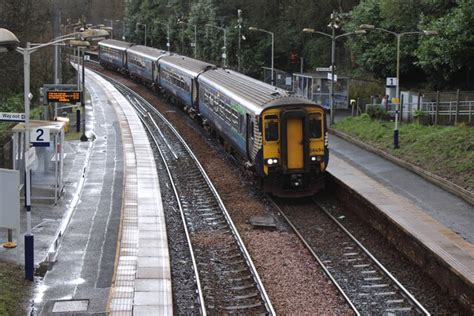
296, 180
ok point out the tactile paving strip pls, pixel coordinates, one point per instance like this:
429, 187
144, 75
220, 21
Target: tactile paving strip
142, 283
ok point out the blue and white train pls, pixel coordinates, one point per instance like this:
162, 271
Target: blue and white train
282, 137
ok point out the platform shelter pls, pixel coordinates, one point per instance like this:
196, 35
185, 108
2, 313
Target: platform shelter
317, 87
47, 159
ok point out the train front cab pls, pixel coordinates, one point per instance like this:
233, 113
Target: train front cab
295, 151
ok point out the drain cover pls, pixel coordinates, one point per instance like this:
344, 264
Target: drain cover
70, 306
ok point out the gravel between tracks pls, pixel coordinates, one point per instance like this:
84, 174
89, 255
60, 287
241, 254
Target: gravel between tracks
426, 291
292, 278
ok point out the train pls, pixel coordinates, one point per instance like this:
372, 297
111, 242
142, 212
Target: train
281, 137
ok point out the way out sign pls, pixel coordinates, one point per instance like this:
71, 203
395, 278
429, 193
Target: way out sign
39, 137
12, 117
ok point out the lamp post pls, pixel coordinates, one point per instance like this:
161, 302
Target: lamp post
168, 38
138, 24
397, 91
123, 27
239, 26
271, 33
333, 38
9, 42
224, 54
195, 36
111, 27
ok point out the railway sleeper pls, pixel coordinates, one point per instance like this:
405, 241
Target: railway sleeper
246, 296
243, 307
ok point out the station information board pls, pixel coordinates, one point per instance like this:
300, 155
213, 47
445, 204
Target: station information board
64, 96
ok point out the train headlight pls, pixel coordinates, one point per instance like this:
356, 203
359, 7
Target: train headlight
272, 161
316, 158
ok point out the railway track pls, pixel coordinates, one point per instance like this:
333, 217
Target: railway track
226, 279
365, 283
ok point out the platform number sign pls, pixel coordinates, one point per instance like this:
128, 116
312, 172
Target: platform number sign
39, 137
391, 82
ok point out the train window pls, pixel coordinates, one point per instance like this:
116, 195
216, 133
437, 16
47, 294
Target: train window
315, 129
271, 128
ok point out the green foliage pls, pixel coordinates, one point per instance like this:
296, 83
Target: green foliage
12, 104
450, 54
447, 151
375, 111
363, 88
14, 293
445, 59
376, 51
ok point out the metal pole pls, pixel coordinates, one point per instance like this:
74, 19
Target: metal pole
145, 34
239, 20
195, 41
225, 48
123, 30
333, 57
182, 39
112, 29
168, 37
83, 136
397, 93
76, 59
457, 107
273, 42
29, 238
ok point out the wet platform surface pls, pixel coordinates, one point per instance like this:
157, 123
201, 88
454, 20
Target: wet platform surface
450, 210
113, 258
142, 282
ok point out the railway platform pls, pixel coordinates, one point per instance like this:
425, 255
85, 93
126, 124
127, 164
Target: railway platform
108, 231
429, 225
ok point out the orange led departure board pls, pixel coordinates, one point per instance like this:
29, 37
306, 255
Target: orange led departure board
64, 96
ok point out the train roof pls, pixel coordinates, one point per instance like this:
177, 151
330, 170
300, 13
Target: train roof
251, 93
147, 52
120, 45
188, 65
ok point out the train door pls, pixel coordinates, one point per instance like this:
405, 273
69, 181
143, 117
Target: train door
250, 136
294, 142
294, 138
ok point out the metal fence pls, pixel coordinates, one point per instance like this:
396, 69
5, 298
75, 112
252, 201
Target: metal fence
448, 112
447, 108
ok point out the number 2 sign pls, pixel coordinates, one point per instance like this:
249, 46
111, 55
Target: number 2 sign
39, 137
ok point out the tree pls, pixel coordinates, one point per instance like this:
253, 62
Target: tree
376, 51
449, 57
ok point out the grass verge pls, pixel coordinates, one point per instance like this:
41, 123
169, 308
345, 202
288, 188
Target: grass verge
447, 151
15, 291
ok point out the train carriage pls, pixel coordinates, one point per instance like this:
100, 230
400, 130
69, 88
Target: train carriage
113, 54
178, 75
142, 63
283, 136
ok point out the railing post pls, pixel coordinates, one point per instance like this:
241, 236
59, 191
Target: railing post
418, 106
437, 108
457, 107
470, 112
401, 108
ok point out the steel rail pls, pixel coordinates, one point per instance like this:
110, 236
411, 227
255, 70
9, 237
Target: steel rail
143, 114
240, 243
378, 264
183, 218
310, 249
234, 230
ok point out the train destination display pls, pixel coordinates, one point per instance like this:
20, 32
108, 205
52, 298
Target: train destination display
64, 96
